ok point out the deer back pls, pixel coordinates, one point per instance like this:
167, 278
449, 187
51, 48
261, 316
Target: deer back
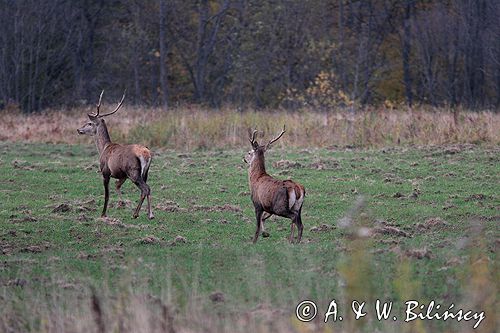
121, 161
276, 195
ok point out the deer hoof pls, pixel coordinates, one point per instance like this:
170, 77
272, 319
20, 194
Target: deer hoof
151, 216
265, 234
135, 216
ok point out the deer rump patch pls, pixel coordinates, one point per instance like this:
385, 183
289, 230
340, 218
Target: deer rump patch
295, 196
287, 199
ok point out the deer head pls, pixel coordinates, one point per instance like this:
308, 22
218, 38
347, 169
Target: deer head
258, 149
95, 119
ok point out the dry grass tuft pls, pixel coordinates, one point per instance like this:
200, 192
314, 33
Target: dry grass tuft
190, 128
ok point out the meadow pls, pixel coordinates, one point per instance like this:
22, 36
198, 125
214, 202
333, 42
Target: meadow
416, 221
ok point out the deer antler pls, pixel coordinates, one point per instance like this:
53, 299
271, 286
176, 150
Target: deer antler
117, 108
97, 106
252, 139
276, 138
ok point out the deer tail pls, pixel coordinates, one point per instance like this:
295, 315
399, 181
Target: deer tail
296, 196
145, 161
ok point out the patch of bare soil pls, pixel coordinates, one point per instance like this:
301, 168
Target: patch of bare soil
412, 253
431, 224
24, 216
170, 206
122, 204
18, 282
220, 208
449, 205
61, 208
322, 228
117, 223
149, 240
324, 164
27, 217
21, 165
83, 218
6, 249
114, 250
63, 284
35, 248
385, 229
398, 195
476, 197
495, 246
419, 253
84, 205
86, 256
450, 149
455, 261
217, 297
178, 240
391, 178
22, 208
390, 241
286, 164
266, 311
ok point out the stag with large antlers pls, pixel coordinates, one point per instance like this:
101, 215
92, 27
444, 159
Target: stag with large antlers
271, 196
119, 161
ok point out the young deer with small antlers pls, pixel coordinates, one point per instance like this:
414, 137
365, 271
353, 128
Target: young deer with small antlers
270, 195
119, 161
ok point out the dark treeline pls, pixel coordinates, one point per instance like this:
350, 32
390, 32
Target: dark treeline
257, 53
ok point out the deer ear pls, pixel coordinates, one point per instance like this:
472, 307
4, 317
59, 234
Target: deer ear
91, 116
255, 145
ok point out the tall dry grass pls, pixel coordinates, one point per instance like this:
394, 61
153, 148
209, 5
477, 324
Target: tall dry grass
191, 128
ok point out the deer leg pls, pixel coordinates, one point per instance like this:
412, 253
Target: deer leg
145, 192
148, 197
300, 226
136, 178
292, 231
119, 183
264, 217
258, 215
106, 195
150, 212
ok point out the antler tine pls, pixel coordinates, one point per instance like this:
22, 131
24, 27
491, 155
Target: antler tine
98, 105
276, 138
252, 139
117, 107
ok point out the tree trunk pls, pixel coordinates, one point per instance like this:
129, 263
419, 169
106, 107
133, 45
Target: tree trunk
406, 45
163, 54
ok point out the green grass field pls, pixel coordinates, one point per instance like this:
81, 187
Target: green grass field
393, 224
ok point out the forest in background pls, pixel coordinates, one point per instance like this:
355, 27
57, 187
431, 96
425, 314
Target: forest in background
250, 53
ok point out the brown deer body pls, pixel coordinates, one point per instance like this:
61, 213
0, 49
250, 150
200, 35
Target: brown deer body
271, 196
119, 161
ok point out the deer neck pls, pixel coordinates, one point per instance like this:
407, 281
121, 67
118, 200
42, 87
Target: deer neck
257, 169
102, 138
